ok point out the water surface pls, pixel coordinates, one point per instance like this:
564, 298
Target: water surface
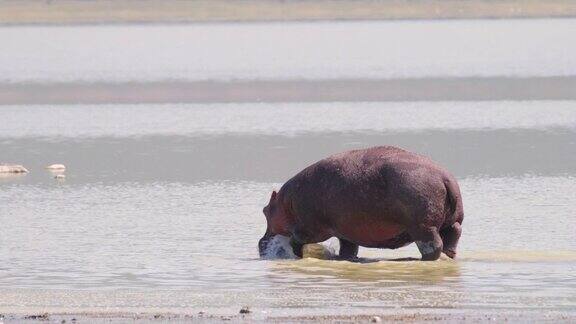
161, 207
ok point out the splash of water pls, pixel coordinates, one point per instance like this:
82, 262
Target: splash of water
279, 248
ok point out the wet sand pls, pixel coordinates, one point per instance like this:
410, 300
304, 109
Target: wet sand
157, 11
429, 89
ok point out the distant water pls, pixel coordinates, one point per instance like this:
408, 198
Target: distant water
397, 49
161, 208
286, 119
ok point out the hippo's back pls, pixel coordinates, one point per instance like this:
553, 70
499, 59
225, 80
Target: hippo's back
384, 182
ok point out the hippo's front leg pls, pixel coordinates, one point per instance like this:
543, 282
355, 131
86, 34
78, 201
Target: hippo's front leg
297, 247
348, 250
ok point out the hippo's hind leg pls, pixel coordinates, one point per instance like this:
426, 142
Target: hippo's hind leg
450, 236
348, 250
428, 241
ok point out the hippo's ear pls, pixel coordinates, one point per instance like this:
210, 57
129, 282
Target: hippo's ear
273, 197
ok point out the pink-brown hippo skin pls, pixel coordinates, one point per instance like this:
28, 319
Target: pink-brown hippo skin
381, 197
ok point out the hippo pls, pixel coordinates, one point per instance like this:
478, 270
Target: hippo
379, 197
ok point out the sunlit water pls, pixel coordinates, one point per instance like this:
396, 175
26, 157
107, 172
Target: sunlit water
160, 218
397, 49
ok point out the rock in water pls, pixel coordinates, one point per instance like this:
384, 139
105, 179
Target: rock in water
317, 251
56, 167
12, 168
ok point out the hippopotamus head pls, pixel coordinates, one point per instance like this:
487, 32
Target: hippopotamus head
277, 225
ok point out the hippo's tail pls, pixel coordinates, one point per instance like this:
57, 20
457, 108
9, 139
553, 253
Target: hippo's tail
454, 208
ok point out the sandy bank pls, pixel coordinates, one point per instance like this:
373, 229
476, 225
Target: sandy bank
400, 315
173, 11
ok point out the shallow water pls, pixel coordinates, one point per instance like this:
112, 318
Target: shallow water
167, 219
160, 210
